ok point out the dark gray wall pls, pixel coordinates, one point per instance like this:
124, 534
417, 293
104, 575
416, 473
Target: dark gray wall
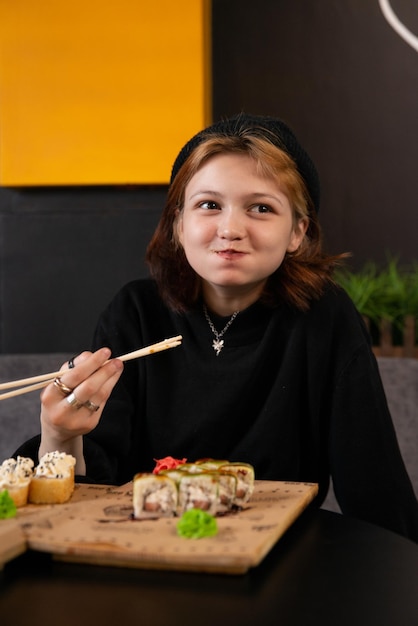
63, 255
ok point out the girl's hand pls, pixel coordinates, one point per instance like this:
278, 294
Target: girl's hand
72, 406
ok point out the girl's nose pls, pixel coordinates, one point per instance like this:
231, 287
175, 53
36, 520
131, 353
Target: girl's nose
230, 225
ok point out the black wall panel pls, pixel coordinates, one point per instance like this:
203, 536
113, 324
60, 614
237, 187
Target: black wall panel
63, 255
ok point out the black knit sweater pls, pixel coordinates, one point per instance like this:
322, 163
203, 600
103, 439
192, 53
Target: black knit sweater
297, 395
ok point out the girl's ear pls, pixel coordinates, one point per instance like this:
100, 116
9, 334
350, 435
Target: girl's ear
299, 232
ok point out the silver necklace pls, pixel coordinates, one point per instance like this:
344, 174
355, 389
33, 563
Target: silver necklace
218, 343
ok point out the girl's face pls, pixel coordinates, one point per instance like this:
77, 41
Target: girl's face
236, 227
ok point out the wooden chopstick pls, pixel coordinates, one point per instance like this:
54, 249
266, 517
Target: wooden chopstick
25, 389
38, 382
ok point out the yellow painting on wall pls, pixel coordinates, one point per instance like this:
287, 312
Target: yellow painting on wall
100, 93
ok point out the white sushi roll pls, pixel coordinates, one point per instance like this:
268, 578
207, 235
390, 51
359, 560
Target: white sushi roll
227, 491
210, 464
154, 495
198, 491
244, 473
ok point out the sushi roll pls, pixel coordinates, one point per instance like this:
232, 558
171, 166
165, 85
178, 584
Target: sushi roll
174, 474
198, 491
210, 464
53, 480
244, 473
154, 495
227, 482
191, 468
15, 477
227, 491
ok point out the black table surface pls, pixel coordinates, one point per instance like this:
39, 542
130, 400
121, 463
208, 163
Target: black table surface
326, 570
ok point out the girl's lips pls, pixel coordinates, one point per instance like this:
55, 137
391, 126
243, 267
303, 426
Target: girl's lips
230, 254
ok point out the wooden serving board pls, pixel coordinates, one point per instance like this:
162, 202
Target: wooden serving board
97, 527
12, 541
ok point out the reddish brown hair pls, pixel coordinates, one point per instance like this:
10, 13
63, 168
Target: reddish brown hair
302, 276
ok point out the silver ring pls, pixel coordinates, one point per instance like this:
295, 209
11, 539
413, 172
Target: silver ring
91, 406
72, 400
62, 388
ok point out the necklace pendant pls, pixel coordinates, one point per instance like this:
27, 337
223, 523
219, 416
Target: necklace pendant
217, 345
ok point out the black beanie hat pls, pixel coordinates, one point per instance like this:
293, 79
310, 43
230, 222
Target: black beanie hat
270, 128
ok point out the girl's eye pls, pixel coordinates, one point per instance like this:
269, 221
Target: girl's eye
209, 204
261, 208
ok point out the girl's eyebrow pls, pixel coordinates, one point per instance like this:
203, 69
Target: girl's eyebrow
203, 192
256, 194
263, 195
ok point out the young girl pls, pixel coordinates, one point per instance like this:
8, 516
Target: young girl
275, 367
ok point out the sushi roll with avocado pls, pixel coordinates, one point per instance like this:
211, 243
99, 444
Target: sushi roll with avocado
154, 495
198, 491
244, 473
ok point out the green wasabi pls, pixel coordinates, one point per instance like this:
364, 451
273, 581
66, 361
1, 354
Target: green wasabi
195, 524
7, 506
